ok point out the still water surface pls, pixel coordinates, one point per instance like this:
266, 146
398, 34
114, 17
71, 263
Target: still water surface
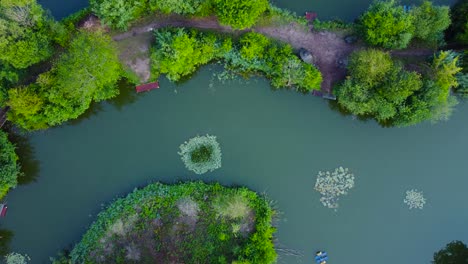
273, 142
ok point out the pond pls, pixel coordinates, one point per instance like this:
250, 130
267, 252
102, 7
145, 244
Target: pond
273, 142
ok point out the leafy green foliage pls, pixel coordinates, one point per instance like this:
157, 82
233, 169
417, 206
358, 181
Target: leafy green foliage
24, 33
9, 167
386, 24
239, 14
458, 30
184, 216
381, 88
118, 13
178, 53
454, 252
430, 21
183, 7
88, 71
201, 154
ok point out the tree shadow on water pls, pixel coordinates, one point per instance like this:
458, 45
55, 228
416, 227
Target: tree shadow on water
126, 96
5, 239
29, 164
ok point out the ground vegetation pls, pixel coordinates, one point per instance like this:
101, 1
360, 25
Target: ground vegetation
184, 223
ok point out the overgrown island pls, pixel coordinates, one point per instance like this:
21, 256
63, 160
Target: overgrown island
400, 65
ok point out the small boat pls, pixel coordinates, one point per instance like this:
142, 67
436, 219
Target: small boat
3, 210
147, 87
321, 257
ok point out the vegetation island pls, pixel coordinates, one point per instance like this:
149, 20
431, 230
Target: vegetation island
399, 65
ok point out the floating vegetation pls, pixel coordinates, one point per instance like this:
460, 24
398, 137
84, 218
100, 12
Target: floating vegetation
201, 154
17, 258
414, 199
332, 185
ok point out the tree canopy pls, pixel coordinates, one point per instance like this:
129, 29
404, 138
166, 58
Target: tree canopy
239, 14
387, 24
430, 21
24, 33
88, 71
9, 166
455, 252
459, 28
380, 87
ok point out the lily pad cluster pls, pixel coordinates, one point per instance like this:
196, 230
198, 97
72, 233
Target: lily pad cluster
201, 154
414, 199
332, 185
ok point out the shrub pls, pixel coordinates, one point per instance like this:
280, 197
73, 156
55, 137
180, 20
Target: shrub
201, 154
179, 52
10, 169
430, 22
239, 14
454, 252
388, 25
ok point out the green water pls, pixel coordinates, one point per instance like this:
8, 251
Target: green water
273, 142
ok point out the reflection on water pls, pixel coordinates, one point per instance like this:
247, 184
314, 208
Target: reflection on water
5, 239
25, 151
127, 96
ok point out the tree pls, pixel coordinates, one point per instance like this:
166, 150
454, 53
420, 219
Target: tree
118, 13
24, 36
458, 30
239, 14
430, 21
182, 7
387, 24
88, 71
377, 86
9, 166
180, 52
454, 252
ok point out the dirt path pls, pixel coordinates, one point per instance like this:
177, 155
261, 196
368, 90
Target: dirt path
327, 48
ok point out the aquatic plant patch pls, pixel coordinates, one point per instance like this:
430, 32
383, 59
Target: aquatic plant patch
332, 185
414, 199
187, 223
201, 154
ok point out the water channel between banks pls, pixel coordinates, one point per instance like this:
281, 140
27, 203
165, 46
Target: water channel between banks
274, 142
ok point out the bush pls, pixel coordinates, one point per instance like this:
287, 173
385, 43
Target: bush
381, 88
10, 169
239, 14
458, 30
388, 25
24, 33
430, 22
88, 71
201, 154
454, 252
179, 52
